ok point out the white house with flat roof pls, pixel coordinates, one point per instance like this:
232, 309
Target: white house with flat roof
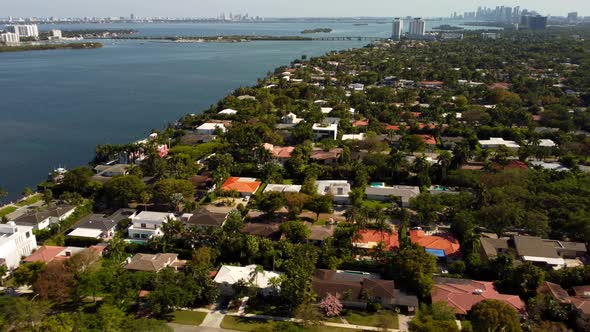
15, 242
146, 225
322, 130
209, 128
339, 189
282, 188
495, 142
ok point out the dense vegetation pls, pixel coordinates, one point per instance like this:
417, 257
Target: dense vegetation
45, 47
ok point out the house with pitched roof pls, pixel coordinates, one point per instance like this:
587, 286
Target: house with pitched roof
154, 263
541, 252
440, 245
244, 186
462, 294
580, 298
40, 220
98, 226
370, 239
384, 193
228, 275
47, 254
355, 289
330, 157
279, 153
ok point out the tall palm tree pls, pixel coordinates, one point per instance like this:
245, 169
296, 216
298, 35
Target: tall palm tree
444, 161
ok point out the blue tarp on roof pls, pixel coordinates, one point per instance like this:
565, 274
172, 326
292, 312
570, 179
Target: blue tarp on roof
436, 252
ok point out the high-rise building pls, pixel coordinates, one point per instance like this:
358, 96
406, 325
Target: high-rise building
29, 30
132, 17
534, 22
417, 27
9, 38
572, 17
398, 28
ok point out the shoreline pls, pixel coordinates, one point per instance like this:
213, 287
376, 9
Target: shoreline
50, 47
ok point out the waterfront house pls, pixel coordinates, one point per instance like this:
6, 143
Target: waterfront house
15, 242
40, 220
209, 128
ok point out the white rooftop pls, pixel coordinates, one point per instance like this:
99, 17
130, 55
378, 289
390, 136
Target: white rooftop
154, 216
358, 137
86, 232
211, 126
327, 110
324, 127
497, 141
283, 188
228, 111
232, 274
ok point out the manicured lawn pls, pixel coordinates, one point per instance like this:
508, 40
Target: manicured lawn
376, 204
250, 324
33, 199
358, 317
188, 317
7, 210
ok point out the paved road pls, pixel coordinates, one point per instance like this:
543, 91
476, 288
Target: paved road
192, 328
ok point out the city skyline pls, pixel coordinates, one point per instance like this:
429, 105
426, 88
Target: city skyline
268, 8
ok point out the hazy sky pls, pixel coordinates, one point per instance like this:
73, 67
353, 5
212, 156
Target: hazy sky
274, 8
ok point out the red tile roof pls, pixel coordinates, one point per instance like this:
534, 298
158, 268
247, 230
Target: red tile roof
428, 139
371, 238
360, 123
280, 152
46, 254
240, 185
462, 294
449, 244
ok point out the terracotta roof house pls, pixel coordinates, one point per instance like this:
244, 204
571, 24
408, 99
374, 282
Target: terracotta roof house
428, 139
462, 294
360, 123
43, 219
330, 157
500, 85
280, 153
48, 254
153, 263
245, 186
439, 245
351, 286
580, 300
369, 239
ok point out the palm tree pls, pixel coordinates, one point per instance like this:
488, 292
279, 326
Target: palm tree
382, 225
259, 269
444, 161
357, 217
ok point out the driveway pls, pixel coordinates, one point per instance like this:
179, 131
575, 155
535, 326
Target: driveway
192, 328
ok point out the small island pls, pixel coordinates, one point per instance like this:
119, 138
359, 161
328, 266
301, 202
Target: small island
45, 47
447, 27
318, 30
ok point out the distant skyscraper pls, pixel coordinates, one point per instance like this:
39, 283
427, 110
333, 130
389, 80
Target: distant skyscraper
29, 30
132, 17
534, 22
572, 17
398, 28
417, 27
